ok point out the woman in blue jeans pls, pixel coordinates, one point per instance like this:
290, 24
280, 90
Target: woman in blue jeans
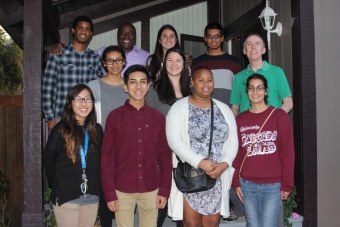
265, 160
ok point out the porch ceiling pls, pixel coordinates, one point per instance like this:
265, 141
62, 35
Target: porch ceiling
60, 14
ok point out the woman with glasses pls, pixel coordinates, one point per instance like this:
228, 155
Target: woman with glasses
109, 94
265, 160
72, 161
108, 91
166, 38
173, 85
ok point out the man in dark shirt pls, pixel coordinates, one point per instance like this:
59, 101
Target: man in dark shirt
136, 161
223, 65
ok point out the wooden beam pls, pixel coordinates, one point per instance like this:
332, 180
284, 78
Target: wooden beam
304, 90
33, 44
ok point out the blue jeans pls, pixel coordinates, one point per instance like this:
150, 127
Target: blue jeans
261, 203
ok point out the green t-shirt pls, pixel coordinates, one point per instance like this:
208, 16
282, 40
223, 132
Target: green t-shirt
278, 87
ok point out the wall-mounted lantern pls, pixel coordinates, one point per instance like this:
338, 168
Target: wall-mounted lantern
267, 18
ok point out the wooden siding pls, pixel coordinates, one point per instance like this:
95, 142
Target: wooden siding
110, 37
11, 154
190, 21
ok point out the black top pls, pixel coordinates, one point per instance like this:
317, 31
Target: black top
64, 177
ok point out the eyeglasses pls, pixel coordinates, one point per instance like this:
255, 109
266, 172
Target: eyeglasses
211, 36
258, 88
80, 99
118, 61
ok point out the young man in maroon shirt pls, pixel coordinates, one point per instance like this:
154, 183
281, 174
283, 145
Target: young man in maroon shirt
136, 161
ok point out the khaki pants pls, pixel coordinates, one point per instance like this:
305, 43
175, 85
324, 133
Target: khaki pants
146, 204
71, 214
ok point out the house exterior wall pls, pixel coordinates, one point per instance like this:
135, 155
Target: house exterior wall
110, 38
233, 9
327, 49
190, 20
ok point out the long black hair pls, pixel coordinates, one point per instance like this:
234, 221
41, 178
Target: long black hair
157, 57
74, 139
164, 87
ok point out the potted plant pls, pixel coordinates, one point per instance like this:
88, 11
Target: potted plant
288, 206
49, 214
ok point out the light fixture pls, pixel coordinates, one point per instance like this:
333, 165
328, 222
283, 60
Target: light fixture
267, 18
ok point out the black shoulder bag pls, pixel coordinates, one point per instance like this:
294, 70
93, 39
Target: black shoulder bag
189, 179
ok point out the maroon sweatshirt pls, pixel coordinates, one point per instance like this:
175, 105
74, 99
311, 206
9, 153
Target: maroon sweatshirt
271, 158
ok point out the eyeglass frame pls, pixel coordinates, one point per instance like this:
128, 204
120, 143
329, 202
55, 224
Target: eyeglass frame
114, 61
216, 36
259, 88
82, 99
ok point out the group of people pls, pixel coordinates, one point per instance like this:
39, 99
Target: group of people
118, 118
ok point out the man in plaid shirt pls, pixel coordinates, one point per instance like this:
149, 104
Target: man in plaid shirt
76, 65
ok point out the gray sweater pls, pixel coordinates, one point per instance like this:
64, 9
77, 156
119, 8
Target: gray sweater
107, 98
152, 100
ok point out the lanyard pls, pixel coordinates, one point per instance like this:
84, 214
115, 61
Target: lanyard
83, 150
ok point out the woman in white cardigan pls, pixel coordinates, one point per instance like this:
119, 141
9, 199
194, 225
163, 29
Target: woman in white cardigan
188, 134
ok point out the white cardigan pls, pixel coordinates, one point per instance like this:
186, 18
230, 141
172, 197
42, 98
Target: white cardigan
178, 140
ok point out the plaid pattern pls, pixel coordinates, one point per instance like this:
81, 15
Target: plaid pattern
63, 72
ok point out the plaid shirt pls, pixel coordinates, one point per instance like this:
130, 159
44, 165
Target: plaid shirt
63, 72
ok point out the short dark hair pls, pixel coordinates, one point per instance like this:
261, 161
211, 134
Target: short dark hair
199, 69
82, 18
136, 68
259, 77
213, 26
110, 49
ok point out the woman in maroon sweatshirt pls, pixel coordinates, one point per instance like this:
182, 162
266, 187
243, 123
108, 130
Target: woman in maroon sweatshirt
265, 160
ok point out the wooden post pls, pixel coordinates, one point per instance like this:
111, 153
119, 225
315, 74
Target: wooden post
33, 41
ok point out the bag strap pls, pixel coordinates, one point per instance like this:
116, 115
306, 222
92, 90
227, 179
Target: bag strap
252, 142
211, 128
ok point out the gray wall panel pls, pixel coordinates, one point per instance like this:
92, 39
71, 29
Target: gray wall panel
327, 49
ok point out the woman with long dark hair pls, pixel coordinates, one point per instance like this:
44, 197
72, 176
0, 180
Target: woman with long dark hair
264, 163
166, 38
173, 85
72, 160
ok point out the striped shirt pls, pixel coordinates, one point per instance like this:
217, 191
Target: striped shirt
63, 72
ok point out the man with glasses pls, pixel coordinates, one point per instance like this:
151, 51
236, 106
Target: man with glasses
223, 65
76, 65
279, 94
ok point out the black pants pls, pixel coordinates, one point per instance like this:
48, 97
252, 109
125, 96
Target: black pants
104, 213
